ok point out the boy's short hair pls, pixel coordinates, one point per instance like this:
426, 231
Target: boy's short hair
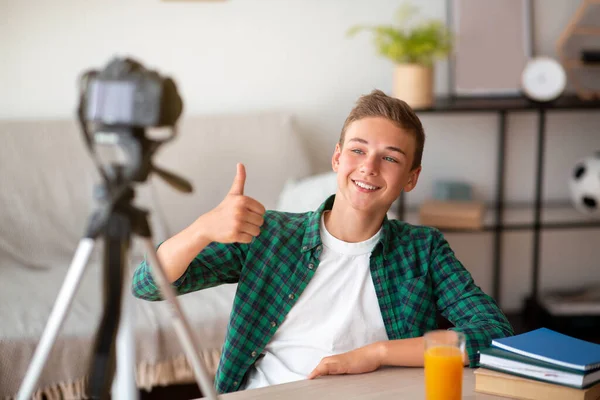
378, 104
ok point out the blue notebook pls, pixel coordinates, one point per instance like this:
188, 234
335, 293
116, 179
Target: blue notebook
553, 347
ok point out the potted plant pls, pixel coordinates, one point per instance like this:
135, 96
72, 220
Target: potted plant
413, 48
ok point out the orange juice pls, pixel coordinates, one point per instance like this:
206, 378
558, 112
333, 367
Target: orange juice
443, 373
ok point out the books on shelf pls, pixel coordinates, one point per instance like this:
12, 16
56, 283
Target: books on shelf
579, 301
508, 385
553, 347
452, 214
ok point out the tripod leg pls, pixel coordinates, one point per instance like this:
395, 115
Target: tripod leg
57, 317
103, 363
124, 387
182, 327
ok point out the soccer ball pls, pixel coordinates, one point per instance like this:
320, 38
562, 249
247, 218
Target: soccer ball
585, 185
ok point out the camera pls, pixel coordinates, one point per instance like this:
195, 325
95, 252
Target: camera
116, 105
125, 93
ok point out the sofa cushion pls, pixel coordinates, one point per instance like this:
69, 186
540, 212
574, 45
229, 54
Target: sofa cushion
47, 178
306, 194
206, 152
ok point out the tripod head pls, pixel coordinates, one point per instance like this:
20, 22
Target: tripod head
116, 105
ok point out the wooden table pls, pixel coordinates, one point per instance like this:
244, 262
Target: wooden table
385, 383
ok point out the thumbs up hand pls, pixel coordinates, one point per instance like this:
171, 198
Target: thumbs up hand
237, 218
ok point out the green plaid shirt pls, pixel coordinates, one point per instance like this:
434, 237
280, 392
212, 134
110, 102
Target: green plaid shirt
413, 268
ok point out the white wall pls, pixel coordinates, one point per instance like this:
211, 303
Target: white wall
243, 55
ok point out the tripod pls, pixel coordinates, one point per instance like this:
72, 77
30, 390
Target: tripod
116, 220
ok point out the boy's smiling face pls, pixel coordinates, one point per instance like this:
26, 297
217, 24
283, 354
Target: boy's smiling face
374, 164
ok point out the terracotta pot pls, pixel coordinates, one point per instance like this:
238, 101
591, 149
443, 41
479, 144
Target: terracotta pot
413, 83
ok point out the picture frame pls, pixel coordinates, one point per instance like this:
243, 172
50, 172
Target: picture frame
493, 40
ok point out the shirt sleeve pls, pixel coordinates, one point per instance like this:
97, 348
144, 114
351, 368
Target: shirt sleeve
463, 303
217, 264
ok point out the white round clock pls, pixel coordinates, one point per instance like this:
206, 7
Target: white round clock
543, 79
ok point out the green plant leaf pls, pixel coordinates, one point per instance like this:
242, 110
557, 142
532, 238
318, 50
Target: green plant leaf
422, 42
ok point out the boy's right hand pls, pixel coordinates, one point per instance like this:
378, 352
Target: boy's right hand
237, 219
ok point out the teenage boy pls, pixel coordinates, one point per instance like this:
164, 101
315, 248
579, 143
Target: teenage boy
342, 289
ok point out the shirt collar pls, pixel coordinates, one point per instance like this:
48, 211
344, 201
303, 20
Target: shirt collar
312, 238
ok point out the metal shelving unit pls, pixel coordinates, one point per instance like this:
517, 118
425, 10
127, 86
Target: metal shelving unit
497, 221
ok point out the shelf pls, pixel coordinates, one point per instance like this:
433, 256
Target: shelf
515, 218
582, 326
575, 63
521, 217
556, 307
449, 104
587, 30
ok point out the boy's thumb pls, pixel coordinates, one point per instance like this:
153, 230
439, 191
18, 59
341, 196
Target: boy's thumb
239, 180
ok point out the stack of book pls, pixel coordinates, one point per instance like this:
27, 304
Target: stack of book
541, 364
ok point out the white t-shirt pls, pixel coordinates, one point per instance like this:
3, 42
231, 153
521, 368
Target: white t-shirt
337, 312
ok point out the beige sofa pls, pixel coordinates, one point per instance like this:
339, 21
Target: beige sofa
46, 186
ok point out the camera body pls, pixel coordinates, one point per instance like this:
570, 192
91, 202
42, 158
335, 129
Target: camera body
126, 94
116, 105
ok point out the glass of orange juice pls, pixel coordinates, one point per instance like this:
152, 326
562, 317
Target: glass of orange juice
444, 350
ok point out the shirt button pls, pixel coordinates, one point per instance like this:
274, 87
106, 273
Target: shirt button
291, 296
253, 354
319, 248
311, 266
273, 324
235, 383
304, 247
